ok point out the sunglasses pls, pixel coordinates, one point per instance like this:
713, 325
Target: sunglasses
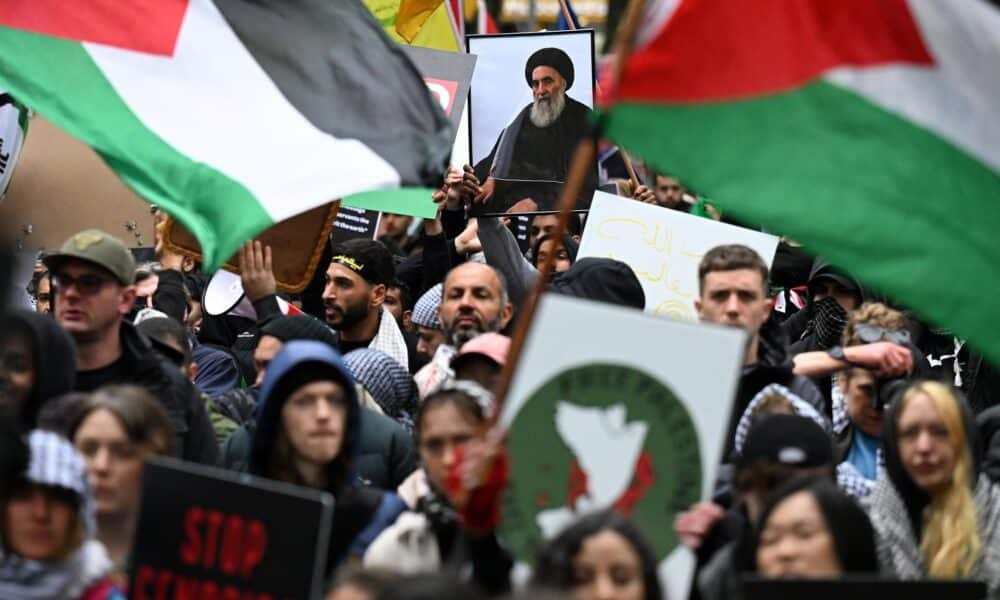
86, 284
870, 334
44, 297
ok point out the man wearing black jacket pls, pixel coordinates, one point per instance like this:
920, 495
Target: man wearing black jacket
733, 282
92, 284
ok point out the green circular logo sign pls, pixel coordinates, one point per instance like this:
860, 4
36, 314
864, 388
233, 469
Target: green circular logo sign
598, 436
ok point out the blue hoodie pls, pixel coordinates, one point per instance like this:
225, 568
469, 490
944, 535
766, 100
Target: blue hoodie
291, 363
360, 514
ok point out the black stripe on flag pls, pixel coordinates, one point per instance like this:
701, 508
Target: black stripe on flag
333, 62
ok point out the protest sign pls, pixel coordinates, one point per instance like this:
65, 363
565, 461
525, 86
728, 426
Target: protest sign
527, 159
627, 412
13, 127
208, 533
354, 223
447, 75
663, 247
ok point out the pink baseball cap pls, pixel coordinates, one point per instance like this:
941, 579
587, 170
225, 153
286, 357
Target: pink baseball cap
491, 345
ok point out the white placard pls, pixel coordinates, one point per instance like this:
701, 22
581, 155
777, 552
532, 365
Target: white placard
627, 400
663, 247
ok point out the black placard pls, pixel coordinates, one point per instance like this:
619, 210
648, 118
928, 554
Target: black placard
208, 533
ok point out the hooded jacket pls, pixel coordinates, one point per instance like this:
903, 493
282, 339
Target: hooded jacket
360, 514
55, 361
603, 280
896, 509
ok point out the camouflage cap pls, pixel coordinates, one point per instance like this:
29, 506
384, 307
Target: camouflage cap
100, 248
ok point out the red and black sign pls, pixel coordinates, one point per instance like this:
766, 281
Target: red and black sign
208, 534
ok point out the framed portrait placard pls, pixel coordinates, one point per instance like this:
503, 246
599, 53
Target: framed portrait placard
530, 103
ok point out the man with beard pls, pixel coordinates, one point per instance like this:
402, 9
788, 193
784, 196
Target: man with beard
359, 274
473, 301
538, 145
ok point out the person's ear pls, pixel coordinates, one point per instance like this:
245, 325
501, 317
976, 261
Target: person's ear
408, 319
698, 306
506, 315
378, 294
126, 299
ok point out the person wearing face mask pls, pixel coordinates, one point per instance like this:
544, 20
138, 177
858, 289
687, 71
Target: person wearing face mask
115, 429
308, 429
432, 533
934, 514
37, 363
49, 550
602, 556
809, 528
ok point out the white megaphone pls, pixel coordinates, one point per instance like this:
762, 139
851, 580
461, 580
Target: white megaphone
224, 296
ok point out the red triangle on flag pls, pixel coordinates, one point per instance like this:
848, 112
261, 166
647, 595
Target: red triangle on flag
150, 26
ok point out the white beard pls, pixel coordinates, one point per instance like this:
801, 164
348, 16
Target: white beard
544, 111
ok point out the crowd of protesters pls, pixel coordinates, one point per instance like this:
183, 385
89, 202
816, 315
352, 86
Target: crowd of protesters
860, 442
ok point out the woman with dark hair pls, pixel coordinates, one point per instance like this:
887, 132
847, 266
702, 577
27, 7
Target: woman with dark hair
432, 534
307, 435
115, 429
809, 528
565, 252
935, 514
47, 529
37, 363
602, 555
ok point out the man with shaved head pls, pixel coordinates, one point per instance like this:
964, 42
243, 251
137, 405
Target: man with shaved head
473, 301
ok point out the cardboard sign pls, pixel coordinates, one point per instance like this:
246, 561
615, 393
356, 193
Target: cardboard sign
447, 75
209, 533
355, 223
611, 407
663, 247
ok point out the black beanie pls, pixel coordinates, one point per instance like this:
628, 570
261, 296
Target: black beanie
550, 57
299, 327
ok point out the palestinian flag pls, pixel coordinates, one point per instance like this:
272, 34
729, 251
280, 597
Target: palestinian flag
231, 115
868, 130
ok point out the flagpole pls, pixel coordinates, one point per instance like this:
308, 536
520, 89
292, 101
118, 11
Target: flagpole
583, 160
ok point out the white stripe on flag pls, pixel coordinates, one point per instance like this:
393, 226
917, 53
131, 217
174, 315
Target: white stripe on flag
957, 97
214, 103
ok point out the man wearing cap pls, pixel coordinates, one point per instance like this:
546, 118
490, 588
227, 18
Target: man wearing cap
92, 282
357, 278
777, 448
538, 144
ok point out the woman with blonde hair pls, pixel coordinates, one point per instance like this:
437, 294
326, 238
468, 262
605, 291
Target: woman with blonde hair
935, 516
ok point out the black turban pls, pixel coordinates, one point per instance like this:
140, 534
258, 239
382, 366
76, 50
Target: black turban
550, 57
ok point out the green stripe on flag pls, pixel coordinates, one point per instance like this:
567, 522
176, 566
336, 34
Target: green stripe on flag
58, 79
403, 201
904, 210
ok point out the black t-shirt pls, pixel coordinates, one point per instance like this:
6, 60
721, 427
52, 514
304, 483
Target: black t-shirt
88, 381
345, 346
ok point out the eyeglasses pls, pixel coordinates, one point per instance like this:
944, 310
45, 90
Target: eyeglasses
870, 334
44, 297
86, 284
